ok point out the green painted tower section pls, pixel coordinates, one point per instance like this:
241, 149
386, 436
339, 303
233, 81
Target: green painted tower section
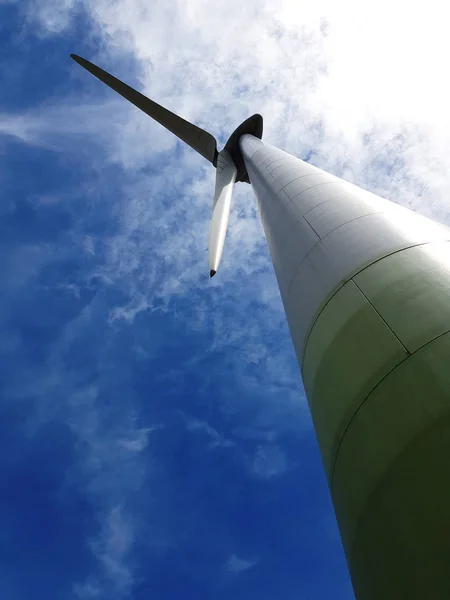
366, 288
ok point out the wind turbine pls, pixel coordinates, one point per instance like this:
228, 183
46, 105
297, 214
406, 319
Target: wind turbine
229, 164
366, 288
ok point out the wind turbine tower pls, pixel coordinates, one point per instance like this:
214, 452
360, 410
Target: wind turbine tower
365, 284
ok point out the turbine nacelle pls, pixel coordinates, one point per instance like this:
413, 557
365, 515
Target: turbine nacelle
229, 162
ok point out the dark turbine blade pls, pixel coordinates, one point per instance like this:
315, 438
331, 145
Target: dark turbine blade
198, 139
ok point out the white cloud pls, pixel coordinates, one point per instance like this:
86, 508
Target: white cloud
357, 84
113, 460
87, 590
113, 546
139, 441
362, 85
236, 564
217, 439
269, 461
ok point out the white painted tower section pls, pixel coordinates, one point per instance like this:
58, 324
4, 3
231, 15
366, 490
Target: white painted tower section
322, 230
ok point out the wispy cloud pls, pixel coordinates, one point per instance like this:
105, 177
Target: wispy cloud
352, 107
269, 461
111, 548
217, 439
236, 564
112, 459
335, 79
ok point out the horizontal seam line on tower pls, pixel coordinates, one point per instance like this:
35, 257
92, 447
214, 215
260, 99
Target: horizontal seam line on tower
303, 218
297, 178
429, 341
310, 188
267, 193
301, 177
348, 279
356, 412
364, 401
382, 318
346, 223
324, 238
268, 164
287, 163
320, 204
261, 166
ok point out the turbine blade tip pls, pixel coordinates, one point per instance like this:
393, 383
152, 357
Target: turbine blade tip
212, 273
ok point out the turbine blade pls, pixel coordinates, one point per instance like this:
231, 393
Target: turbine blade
198, 139
225, 179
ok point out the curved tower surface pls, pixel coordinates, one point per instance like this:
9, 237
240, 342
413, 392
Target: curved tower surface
366, 288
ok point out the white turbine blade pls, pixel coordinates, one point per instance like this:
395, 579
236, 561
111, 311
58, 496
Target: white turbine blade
198, 139
225, 178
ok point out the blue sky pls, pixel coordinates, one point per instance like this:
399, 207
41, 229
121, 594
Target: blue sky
156, 437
